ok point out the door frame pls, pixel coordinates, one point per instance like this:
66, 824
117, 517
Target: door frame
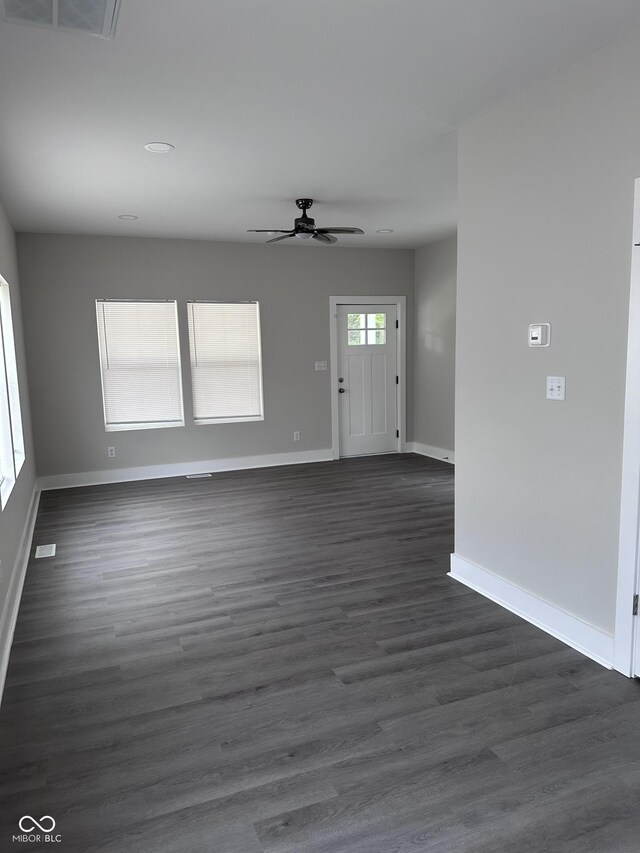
400, 303
628, 585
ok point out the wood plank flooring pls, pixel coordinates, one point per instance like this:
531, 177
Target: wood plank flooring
274, 660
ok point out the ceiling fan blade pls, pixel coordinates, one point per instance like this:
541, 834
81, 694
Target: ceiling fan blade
267, 231
284, 237
324, 238
339, 230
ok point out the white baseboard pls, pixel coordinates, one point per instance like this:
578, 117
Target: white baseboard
433, 452
181, 469
14, 593
581, 636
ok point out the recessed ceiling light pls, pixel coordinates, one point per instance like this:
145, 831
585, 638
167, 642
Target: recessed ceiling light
385, 231
159, 147
129, 217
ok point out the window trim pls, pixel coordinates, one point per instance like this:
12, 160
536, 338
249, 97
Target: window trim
141, 425
13, 440
226, 419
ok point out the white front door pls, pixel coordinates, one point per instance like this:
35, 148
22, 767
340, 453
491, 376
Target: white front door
367, 377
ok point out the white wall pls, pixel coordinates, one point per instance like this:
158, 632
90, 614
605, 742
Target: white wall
14, 516
434, 345
545, 218
63, 275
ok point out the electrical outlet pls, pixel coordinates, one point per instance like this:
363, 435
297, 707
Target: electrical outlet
111, 452
296, 435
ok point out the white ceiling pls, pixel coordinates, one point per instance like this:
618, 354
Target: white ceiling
354, 103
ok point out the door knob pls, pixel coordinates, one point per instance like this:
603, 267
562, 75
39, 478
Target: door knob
340, 390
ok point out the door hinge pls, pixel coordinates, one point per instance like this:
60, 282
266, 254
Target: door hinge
398, 436
397, 380
635, 604
397, 325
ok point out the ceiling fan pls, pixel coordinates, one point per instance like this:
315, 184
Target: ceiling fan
304, 227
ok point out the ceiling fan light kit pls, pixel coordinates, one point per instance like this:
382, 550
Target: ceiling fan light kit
304, 228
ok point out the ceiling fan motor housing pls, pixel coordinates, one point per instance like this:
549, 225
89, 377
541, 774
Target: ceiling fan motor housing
304, 223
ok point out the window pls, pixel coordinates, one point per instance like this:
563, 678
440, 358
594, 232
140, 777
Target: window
140, 364
368, 329
11, 437
226, 368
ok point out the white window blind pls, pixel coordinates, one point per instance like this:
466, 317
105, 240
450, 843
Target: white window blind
6, 446
11, 436
226, 366
140, 364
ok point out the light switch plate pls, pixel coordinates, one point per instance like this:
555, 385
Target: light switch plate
320, 365
555, 387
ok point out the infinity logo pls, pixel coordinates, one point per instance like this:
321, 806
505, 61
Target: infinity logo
34, 823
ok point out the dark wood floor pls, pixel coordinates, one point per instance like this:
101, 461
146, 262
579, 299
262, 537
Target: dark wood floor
275, 660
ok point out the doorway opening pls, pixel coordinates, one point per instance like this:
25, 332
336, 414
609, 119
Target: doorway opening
627, 630
368, 375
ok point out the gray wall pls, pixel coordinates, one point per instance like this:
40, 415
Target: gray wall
63, 275
434, 344
545, 217
14, 515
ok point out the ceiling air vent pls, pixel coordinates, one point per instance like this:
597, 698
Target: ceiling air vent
94, 17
